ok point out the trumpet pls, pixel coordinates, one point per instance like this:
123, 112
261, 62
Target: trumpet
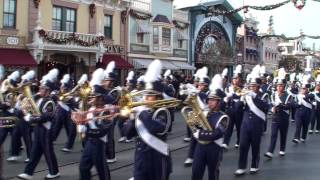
64, 97
81, 117
8, 122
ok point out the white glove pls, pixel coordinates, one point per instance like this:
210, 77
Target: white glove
229, 94
27, 117
276, 103
196, 134
11, 110
252, 94
314, 103
82, 128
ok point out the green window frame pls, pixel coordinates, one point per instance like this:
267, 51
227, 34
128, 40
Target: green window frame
9, 13
64, 19
108, 26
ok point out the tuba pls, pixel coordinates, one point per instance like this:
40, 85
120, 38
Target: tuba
194, 116
28, 104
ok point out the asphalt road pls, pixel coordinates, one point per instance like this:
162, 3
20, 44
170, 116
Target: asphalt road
302, 161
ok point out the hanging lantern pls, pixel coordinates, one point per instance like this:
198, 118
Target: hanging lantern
299, 4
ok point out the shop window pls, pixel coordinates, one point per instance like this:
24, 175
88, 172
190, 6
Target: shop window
180, 43
155, 35
140, 38
166, 36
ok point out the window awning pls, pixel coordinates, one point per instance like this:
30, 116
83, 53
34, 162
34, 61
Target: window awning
143, 27
144, 63
16, 57
183, 65
120, 62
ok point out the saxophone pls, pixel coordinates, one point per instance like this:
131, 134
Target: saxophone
194, 116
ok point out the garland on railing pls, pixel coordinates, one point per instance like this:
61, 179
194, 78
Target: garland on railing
299, 4
290, 38
72, 37
137, 15
179, 26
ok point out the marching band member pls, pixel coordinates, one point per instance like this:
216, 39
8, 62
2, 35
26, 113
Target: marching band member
108, 83
203, 85
303, 111
315, 118
169, 92
7, 107
140, 83
63, 115
96, 131
256, 106
42, 143
264, 89
131, 83
235, 108
22, 128
211, 154
293, 91
281, 104
152, 158
1, 148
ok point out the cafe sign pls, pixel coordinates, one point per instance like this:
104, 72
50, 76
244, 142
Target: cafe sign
11, 41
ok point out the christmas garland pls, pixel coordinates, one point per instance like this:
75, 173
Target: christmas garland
290, 38
136, 15
72, 37
182, 27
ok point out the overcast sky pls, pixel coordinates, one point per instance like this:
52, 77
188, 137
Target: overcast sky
287, 19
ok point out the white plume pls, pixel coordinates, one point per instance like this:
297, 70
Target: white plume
203, 72
216, 83
153, 72
14, 76
262, 70
110, 67
248, 78
167, 73
196, 75
53, 73
282, 73
305, 79
65, 79
141, 79
224, 72
238, 69
292, 77
97, 77
255, 73
318, 78
29, 75
1, 72
83, 79
130, 76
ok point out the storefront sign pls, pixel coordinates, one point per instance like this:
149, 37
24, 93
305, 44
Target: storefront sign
114, 49
180, 53
12, 40
137, 48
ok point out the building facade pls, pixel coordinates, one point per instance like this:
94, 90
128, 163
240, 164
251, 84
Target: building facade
269, 53
249, 40
75, 36
155, 30
213, 37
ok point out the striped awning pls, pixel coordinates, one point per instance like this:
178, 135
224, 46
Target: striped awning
143, 27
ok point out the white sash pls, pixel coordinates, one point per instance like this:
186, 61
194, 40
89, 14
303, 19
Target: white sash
305, 103
219, 141
316, 97
64, 106
154, 142
92, 125
254, 108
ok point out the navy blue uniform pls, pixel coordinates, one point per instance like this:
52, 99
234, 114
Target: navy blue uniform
315, 118
235, 113
94, 150
251, 131
4, 111
42, 143
209, 154
302, 115
293, 92
280, 121
63, 118
149, 163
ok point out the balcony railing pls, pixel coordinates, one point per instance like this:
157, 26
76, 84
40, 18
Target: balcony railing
180, 15
141, 5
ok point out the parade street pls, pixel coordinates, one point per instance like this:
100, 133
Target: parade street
300, 163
